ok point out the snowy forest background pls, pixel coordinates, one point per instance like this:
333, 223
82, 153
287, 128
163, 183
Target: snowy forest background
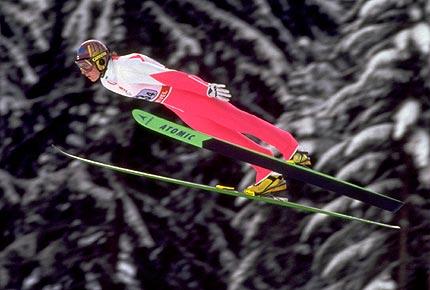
350, 79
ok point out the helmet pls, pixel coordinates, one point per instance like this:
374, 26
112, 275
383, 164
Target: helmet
92, 52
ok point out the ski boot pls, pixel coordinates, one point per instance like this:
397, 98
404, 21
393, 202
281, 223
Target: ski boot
301, 158
272, 184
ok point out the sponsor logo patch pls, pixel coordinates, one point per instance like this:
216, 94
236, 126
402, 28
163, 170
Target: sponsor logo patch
147, 95
164, 93
151, 95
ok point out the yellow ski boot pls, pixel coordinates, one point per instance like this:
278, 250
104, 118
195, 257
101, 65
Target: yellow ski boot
301, 158
273, 183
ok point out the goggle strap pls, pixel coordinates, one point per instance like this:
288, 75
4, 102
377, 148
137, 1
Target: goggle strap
99, 56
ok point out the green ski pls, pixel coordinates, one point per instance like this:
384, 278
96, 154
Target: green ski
223, 190
291, 170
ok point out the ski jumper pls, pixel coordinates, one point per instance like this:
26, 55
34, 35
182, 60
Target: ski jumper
138, 76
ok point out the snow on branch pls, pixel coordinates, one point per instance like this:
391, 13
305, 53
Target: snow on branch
386, 185
331, 8
356, 42
351, 254
370, 136
32, 17
79, 22
243, 270
376, 109
331, 156
362, 168
133, 218
80, 181
104, 22
418, 35
17, 54
424, 177
340, 204
25, 245
372, 8
383, 58
126, 270
185, 43
82, 25
406, 116
7, 186
264, 48
338, 240
382, 282
263, 13
418, 146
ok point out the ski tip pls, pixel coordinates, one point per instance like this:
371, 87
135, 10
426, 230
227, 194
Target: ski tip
56, 147
136, 113
59, 150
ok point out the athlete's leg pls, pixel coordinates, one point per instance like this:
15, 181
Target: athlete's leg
214, 129
250, 124
229, 116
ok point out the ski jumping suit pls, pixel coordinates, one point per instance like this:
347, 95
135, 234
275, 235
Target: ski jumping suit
138, 76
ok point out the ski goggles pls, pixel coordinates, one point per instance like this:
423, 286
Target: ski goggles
84, 65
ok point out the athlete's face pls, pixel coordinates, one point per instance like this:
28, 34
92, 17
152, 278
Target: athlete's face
89, 70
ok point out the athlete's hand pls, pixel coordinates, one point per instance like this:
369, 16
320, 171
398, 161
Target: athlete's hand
219, 92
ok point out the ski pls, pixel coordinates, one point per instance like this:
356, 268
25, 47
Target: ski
226, 191
303, 174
